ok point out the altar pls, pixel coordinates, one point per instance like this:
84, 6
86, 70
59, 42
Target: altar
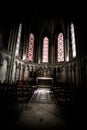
44, 81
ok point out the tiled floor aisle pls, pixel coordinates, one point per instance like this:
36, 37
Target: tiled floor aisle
41, 116
43, 113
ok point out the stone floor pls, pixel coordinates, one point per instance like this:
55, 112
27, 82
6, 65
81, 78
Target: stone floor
42, 113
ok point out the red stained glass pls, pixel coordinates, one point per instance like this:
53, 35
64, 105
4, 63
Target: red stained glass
45, 49
60, 48
30, 47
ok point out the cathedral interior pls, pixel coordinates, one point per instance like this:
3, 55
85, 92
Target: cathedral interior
43, 70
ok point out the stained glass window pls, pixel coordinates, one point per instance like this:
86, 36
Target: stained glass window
60, 48
73, 40
18, 40
30, 47
45, 49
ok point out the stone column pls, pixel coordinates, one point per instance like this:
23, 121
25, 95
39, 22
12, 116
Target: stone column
26, 73
3, 70
10, 38
23, 72
8, 71
18, 73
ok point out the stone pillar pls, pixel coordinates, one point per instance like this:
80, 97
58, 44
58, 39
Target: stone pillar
26, 73
11, 48
3, 70
18, 73
15, 71
10, 39
25, 45
8, 71
23, 72
11, 69
67, 46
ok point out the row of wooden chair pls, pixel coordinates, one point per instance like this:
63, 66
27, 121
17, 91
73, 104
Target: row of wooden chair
11, 97
62, 94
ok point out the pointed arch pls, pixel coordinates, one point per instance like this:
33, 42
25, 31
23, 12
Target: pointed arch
45, 49
30, 54
60, 47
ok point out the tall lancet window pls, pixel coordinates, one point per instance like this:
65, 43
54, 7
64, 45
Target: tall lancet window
60, 48
45, 49
18, 40
73, 40
30, 55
